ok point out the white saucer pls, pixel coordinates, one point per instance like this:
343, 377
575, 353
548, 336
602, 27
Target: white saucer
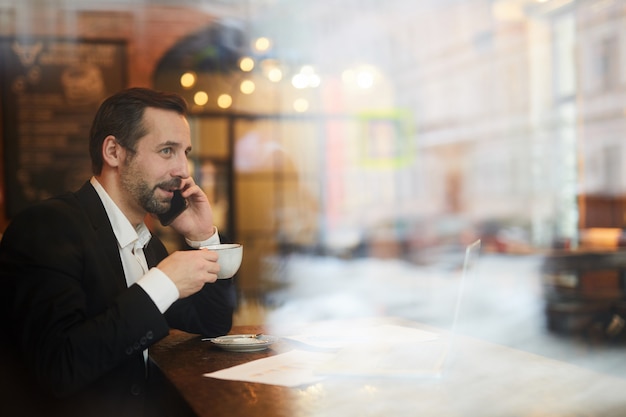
244, 342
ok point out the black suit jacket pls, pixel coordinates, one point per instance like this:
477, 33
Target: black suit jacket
74, 330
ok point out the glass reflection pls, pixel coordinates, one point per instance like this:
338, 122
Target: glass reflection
374, 140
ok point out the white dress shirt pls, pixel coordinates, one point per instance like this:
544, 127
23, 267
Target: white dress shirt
131, 242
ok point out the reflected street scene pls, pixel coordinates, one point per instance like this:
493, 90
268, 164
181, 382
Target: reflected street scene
372, 142
387, 137
359, 150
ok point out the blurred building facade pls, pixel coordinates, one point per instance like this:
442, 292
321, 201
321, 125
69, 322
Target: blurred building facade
516, 105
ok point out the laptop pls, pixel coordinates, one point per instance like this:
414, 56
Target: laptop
392, 347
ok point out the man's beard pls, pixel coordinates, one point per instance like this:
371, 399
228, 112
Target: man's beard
144, 194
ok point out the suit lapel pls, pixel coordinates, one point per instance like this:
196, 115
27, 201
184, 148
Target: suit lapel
91, 203
155, 251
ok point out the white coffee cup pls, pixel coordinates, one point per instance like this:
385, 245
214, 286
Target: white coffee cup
230, 256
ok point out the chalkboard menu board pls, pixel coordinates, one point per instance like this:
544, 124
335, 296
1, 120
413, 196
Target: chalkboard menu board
50, 90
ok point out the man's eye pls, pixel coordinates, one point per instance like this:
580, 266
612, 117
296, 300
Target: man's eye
166, 151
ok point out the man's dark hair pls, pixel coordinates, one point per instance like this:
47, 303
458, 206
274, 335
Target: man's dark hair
121, 115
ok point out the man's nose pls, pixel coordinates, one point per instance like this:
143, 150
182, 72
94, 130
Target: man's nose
182, 168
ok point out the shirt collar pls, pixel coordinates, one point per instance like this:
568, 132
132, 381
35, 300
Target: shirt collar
124, 231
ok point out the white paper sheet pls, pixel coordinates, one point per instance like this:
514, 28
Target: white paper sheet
378, 345
288, 369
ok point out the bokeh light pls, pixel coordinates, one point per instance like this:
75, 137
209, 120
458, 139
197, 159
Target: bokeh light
201, 98
224, 101
246, 64
247, 87
188, 79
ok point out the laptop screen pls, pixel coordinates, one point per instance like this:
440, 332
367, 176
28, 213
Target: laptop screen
404, 348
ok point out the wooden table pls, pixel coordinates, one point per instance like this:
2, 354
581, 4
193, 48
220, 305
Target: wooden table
184, 358
485, 380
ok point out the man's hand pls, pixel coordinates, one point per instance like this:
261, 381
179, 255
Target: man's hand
196, 222
190, 270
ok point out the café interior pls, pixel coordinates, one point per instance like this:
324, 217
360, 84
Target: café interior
358, 149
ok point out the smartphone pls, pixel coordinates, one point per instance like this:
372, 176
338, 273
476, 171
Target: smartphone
179, 204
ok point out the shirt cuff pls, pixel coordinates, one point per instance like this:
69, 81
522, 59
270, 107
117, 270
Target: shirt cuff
213, 240
160, 288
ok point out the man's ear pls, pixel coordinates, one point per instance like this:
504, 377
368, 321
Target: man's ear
111, 151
